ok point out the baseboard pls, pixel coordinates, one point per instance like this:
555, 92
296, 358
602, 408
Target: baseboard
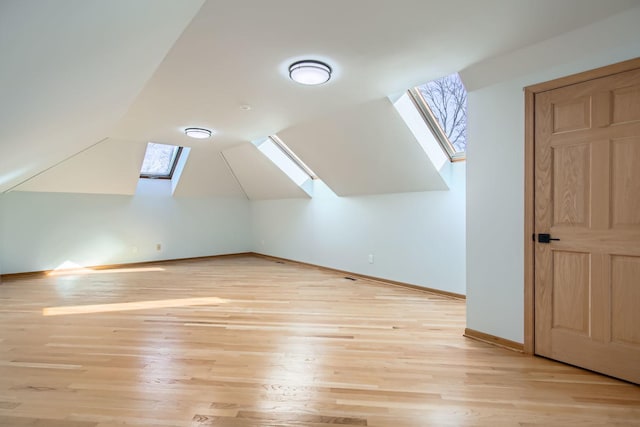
32, 274
19, 276
494, 340
366, 277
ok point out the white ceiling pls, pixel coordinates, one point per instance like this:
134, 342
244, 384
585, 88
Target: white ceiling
78, 71
365, 149
71, 69
258, 176
108, 167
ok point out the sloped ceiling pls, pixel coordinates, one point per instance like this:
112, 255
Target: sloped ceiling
237, 52
206, 174
108, 167
258, 176
78, 71
71, 69
366, 149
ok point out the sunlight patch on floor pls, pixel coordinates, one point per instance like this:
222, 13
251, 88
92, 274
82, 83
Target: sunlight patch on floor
69, 268
129, 306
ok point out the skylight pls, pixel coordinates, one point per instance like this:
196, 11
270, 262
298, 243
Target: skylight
286, 160
443, 105
160, 161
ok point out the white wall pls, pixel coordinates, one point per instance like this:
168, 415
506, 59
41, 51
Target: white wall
495, 174
40, 231
1, 233
416, 238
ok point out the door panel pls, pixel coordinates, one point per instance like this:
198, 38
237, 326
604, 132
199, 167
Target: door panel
625, 203
571, 185
571, 115
626, 105
625, 273
587, 194
571, 301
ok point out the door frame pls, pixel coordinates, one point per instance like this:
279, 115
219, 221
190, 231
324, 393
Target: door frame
529, 181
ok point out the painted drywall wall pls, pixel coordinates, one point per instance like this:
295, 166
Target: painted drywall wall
415, 238
495, 165
41, 231
1, 232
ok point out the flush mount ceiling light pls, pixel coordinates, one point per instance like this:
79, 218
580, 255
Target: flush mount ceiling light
309, 72
198, 133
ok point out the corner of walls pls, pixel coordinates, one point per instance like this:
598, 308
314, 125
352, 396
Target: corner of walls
416, 238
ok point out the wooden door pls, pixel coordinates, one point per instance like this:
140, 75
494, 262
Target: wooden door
587, 195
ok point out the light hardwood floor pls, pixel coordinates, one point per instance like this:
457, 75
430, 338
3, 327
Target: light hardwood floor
252, 342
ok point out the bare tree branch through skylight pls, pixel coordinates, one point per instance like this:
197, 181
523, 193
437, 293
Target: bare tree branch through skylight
447, 100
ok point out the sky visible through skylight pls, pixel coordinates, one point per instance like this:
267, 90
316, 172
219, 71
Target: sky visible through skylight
159, 159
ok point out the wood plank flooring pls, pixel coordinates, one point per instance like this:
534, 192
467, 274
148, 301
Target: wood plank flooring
252, 342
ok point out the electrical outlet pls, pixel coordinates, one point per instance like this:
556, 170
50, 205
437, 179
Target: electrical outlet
158, 246
134, 249
370, 258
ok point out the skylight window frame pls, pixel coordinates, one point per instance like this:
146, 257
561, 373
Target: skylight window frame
292, 156
174, 164
432, 123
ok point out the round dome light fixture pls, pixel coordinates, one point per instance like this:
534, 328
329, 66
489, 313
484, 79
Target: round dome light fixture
310, 72
198, 133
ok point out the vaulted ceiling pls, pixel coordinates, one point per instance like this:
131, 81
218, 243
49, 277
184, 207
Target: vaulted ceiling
85, 84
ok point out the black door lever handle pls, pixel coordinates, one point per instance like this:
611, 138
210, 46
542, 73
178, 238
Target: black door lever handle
545, 238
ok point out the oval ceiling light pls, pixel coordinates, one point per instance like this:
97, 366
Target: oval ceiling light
198, 133
310, 72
